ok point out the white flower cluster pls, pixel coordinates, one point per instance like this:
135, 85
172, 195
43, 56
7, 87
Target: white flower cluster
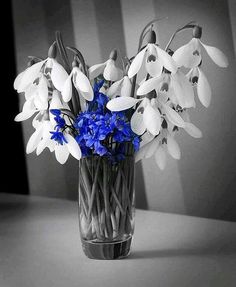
46, 86
159, 102
162, 98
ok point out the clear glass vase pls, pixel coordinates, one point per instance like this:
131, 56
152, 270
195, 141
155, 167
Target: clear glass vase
106, 206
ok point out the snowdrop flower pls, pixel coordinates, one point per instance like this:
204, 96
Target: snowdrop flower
65, 145
122, 88
80, 82
36, 95
148, 114
198, 78
57, 73
40, 139
189, 55
176, 86
154, 58
109, 70
159, 147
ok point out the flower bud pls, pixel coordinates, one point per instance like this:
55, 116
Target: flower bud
52, 51
197, 32
113, 55
151, 37
75, 63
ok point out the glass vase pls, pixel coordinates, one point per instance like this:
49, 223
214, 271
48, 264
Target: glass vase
106, 206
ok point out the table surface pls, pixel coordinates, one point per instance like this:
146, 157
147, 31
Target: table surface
40, 247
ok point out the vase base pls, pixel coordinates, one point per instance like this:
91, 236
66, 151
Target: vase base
107, 250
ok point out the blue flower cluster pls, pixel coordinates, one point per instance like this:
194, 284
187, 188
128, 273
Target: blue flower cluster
57, 135
100, 131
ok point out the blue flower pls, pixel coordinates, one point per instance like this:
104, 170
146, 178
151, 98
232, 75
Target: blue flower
103, 132
60, 122
58, 137
55, 112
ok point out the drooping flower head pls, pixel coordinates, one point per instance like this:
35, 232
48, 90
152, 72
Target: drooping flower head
154, 59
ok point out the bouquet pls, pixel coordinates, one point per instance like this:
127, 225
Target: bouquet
97, 110
108, 116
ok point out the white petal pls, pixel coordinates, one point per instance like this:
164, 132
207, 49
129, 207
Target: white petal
136, 63
167, 60
42, 91
126, 87
56, 102
30, 74
111, 72
149, 85
153, 63
47, 127
96, 70
61, 153
188, 91
192, 130
136, 122
27, 111
217, 56
81, 82
24, 116
173, 116
18, 80
188, 55
58, 75
183, 90
160, 157
122, 103
67, 89
114, 89
203, 89
73, 146
39, 104
152, 119
173, 147
34, 139
86, 96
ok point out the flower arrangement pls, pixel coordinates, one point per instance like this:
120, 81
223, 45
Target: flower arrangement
104, 115
94, 111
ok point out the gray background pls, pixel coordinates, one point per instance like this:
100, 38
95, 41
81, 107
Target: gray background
203, 182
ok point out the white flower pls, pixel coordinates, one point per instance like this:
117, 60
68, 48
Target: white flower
70, 147
158, 147
147, 115
109, 69
189, 55
40, 139
155, 59
177, 87
122, 88
80, 82
198, 78
36, 95
57, 73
